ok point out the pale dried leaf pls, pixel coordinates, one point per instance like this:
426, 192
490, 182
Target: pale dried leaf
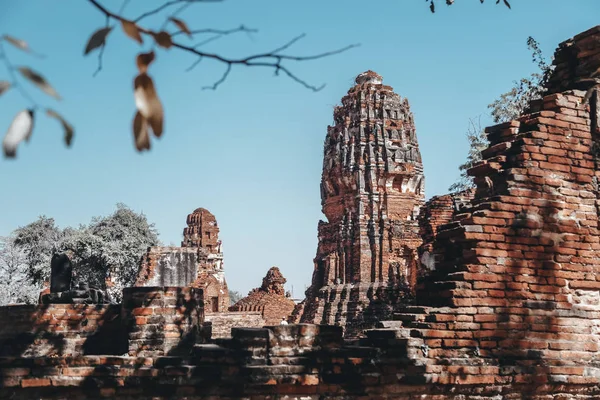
97, 39
4, 86
20, 129
143, 60
140, 132
182, 26
163, 39
68, 128
148, 103
18, 43
132, 30
39, 81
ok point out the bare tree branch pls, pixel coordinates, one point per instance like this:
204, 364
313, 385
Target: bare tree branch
223, 32
169, 4
101, 52
125, 3
270, 59
432, 3
221, 80
193, 64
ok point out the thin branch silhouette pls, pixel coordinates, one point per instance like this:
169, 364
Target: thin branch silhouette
270, 59
15, 83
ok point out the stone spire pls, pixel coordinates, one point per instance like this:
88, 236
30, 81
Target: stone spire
273, 282
270, 299
202, 231
371, 191
197, 263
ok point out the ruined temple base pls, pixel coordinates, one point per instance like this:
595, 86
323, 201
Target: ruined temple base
356, 307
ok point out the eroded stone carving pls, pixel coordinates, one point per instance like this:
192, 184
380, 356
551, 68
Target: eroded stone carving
371, 191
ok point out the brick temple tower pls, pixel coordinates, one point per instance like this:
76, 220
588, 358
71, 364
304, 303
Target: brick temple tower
371, 191
202, 230
197, 263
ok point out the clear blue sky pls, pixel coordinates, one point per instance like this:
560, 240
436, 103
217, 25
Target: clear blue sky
251, 152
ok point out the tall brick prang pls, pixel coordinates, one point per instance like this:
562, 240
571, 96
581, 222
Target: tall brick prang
371, 192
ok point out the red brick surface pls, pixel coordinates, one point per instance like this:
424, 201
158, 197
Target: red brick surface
270, 299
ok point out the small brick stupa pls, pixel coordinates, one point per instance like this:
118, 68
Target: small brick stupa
270, 299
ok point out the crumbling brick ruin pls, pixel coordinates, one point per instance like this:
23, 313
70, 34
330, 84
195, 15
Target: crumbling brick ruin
371, 192
508, 306
270, 299
197, 263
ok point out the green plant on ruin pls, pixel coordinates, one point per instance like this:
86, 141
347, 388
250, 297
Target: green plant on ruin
508, 106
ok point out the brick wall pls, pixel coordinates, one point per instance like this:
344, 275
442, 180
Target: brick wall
287, 362
222, 323
162, 320
60, 330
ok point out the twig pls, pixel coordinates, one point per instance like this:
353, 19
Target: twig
221, 80
101, 52
241, 28
193, 64
125, 3
270, 59
174, 14
14, 81
219, 34
169, 4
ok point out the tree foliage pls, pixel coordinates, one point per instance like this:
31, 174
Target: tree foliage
15, 285
107, 250
506, 107
173, 34
234, 297
477, 143
38, 241
515, 102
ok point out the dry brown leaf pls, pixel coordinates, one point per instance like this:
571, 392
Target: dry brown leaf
148, 103
39, 81
140, 132
18, 43
4, 86
97, 39
182, 26
163, 39
20, 129
68, 128
132, 30
143, 60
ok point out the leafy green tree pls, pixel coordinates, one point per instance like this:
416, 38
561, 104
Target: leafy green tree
38, 241
109, 249
116, 244
15, 286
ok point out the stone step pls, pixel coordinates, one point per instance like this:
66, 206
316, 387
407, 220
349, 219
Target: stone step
390, 324
412, 310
